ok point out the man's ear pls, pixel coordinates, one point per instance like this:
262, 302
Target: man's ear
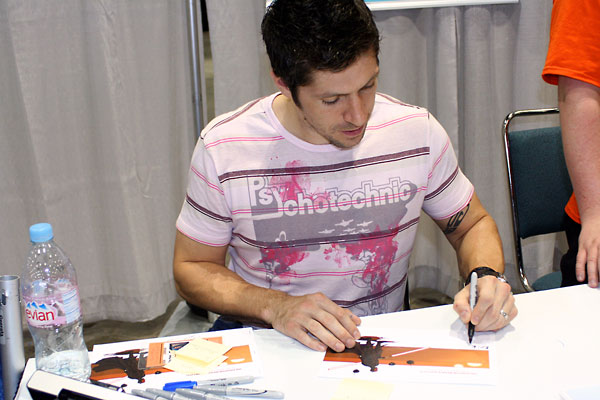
283, 88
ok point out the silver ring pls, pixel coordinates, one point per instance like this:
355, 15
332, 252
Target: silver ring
504, 314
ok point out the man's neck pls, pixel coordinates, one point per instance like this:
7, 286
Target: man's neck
284, 110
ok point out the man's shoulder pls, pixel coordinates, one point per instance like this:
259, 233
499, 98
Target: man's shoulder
386, 100
389, 111
243, 119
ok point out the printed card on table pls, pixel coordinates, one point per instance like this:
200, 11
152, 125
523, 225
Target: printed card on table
396, 355
142, 364
198, 357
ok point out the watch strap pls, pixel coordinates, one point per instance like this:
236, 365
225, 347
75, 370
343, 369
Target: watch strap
485, 271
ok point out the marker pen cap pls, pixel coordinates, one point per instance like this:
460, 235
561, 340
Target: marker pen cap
171, 386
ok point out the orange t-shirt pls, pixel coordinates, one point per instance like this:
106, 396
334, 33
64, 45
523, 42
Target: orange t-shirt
572, 210
574, 51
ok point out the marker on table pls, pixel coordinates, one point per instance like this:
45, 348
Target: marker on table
232, 391
180, 396
472, 301
171, 386
147, 395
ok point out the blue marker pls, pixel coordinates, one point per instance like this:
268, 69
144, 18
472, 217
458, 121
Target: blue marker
171, 386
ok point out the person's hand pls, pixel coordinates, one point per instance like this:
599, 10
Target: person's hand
589, 252
495, 306
316, 321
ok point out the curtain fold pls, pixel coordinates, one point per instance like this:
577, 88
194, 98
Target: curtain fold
96, 126
241, 66
470, 66
98, 140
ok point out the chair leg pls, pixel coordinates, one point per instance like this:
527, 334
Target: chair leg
406, 296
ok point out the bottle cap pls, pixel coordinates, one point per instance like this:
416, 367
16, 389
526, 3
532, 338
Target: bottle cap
40, 232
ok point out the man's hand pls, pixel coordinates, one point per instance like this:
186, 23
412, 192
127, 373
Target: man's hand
589, 252
315, 321
494, 301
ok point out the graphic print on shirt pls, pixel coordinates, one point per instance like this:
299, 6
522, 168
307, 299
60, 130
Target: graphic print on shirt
296, 212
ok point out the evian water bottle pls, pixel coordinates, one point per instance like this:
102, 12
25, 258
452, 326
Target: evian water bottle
52, 309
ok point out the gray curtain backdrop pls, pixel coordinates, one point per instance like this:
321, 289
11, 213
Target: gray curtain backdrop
469, 65
96, 125
96, 132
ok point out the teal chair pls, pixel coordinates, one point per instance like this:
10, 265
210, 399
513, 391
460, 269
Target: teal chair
539, 186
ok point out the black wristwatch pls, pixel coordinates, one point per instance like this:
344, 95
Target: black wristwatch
484, 271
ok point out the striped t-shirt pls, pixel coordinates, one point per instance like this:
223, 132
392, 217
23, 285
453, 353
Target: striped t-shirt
304, 218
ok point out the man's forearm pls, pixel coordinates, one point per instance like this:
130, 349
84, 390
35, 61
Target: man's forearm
579, 104
216, 288
474, 236
313, 319
480, 246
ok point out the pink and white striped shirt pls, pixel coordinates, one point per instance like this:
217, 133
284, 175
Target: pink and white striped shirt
304, 218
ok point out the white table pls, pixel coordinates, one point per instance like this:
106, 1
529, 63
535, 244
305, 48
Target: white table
553, 344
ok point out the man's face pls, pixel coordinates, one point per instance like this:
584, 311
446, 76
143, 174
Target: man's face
335, 107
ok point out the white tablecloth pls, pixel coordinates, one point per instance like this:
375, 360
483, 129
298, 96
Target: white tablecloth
552, 345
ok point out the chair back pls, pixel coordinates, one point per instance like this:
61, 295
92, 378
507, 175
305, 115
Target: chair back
538, 180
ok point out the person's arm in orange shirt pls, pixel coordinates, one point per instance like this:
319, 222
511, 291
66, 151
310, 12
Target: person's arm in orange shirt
579, 104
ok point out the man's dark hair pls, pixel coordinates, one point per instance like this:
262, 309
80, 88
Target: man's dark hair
302, 36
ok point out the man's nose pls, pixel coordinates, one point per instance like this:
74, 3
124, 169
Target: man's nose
356, 113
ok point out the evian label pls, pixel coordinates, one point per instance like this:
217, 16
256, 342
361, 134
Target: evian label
52, 311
